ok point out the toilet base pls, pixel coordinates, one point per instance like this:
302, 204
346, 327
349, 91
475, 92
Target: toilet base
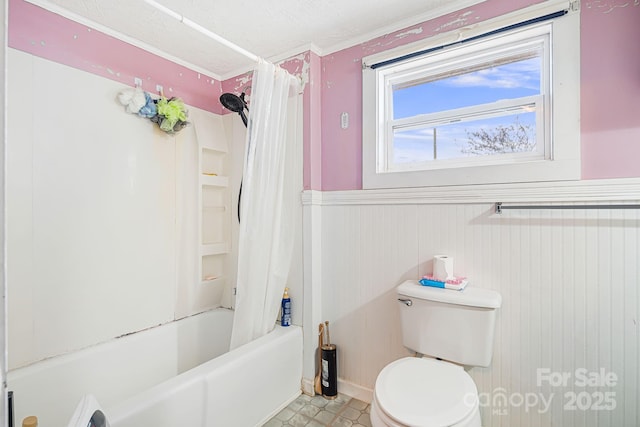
380, 419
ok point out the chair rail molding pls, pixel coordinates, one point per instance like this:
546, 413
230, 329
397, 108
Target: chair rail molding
605, 190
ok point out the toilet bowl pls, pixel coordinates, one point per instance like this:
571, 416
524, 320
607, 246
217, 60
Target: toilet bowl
424, 392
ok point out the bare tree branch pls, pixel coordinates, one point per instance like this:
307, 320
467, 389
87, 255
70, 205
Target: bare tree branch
514, 138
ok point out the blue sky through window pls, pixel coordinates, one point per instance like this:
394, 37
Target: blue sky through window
417, 145
505, 81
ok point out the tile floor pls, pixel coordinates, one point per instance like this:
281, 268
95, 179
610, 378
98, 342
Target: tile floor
317, 411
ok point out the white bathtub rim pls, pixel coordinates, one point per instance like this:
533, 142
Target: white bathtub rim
65, 379
198, 374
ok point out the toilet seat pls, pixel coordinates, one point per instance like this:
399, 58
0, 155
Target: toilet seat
425, 392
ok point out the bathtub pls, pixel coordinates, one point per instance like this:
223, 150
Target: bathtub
173, 375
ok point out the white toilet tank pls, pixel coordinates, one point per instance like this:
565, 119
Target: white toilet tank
457, 326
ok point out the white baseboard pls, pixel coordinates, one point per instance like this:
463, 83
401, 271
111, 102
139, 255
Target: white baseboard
307, 386
354, 390
344, 387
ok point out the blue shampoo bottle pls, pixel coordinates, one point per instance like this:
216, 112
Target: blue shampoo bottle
285, 317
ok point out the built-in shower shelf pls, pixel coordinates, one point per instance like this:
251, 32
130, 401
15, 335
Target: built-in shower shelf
214, 180
214, 214
214, 249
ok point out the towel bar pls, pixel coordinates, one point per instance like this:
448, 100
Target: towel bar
499, 207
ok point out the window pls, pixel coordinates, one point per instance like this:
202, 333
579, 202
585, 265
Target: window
486, 107
502, 108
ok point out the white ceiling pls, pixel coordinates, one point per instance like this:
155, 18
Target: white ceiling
271, 29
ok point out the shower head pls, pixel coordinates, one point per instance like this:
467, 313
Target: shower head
235, 103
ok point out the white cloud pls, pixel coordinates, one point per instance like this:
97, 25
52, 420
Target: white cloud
522, 74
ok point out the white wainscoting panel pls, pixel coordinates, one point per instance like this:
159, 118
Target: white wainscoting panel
571, 301
366, 251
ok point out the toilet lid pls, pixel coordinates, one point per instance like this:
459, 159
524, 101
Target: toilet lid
425, 392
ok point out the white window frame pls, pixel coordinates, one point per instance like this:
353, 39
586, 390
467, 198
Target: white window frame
559, 127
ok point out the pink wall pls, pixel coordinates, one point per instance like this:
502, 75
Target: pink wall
610, 79
50, 36
610, 89
610, 95
44, 34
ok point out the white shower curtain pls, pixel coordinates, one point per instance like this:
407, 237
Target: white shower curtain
269, 194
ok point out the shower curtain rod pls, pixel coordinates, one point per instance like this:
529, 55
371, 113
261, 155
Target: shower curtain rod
201, 29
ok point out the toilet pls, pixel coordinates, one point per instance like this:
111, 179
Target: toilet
451, 329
